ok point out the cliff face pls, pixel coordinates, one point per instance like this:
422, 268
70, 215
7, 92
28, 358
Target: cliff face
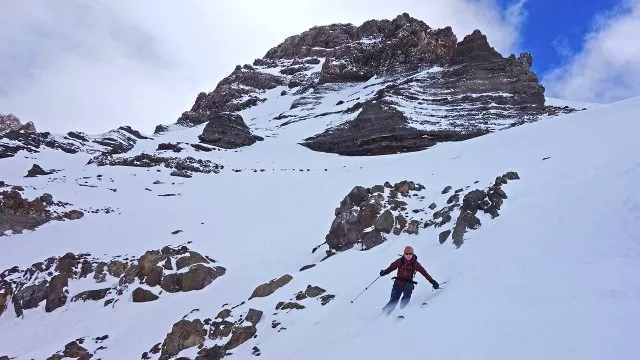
11, 122
376, 47
410, 86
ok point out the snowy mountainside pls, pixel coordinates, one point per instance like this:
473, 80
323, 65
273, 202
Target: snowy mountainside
383, 87
112, 142
183, 266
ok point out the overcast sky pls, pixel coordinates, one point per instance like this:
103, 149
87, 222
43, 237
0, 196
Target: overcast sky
95, 65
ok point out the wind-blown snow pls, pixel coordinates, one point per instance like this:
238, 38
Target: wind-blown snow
553, 277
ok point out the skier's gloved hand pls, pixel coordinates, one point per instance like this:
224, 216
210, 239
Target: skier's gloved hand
435, 284
382, 273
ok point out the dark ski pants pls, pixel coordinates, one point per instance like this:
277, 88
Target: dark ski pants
401, 289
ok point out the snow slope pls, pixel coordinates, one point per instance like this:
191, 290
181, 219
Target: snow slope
553, 277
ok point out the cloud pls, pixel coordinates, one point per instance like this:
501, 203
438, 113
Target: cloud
607, 68
93, 66
562, 46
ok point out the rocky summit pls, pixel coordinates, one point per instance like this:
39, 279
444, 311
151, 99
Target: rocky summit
12, 122
385, 86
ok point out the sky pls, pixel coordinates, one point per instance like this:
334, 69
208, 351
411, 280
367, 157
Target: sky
95, 65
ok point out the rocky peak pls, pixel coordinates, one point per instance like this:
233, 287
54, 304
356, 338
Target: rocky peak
429, 86
475, 48
11, 122
376, 47
526, 59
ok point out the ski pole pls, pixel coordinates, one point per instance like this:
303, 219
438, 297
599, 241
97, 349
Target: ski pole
439, 287
316, 248
365, 289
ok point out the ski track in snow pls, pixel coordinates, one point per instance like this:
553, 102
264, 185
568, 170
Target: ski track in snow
553, 277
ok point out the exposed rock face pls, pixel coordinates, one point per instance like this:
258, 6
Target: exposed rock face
229, 94
365, 213
227, 131
117, 141
183, 335
378, 130
376, 47
49, 280
18, 214
483, 70
12, 122
429, 87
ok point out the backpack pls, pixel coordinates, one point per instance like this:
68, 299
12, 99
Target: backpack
408, 265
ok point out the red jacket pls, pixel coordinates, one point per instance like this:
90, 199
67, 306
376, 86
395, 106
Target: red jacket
406, 270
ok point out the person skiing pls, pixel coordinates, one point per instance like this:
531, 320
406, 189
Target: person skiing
403, 284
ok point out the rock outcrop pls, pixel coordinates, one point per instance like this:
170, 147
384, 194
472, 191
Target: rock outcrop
48, 281
227, 131
379, 130
81, 348
185, 166
377, 47
18, 214
214, 338
117, 141
366, 213
11, 122
37, 170
183, 335
269, 288
367, 216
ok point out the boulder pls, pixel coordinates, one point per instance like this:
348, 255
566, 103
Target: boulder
466, 220
345, 230
143, 295
307, 267
148, 262
473, 200
191, 259
94, 295
198, 277
227, 131
372, 239
511, 175
223, 314
444, 236
385, 222
239, 335
184, 335
37, 170
413, 227
269, 288
56, 292
254, 316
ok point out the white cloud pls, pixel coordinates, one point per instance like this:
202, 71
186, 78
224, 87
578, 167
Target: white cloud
93, 66
608, 66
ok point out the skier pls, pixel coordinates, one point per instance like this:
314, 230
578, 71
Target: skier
407, 266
